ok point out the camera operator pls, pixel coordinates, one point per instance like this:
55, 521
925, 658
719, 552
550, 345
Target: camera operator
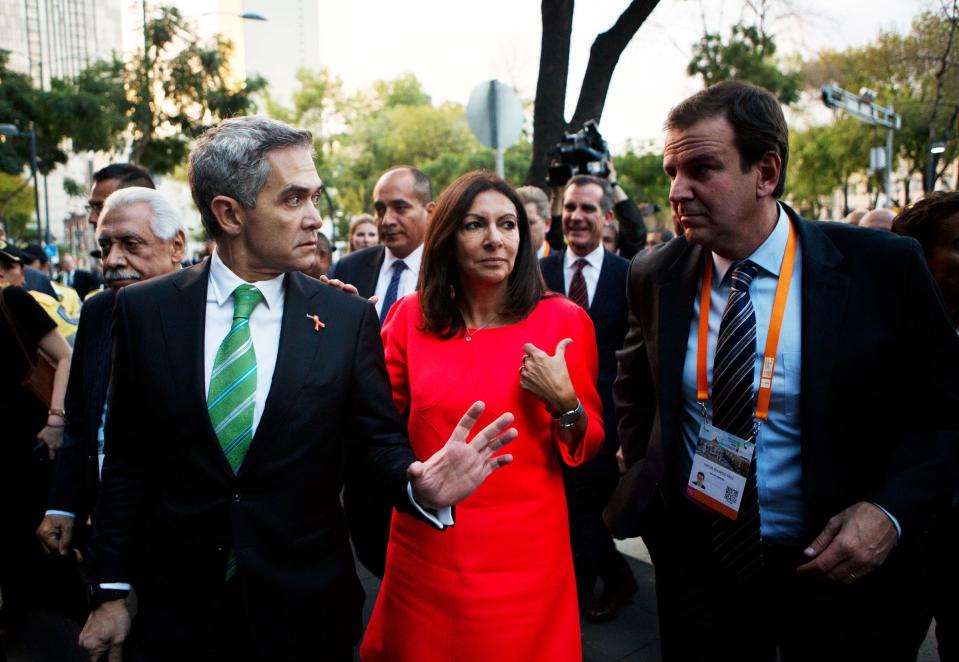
630, 227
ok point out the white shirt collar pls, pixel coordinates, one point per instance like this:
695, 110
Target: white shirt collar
594, 259
768, 256
223, 282
412, 260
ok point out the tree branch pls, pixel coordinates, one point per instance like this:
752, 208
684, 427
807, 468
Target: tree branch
603, 57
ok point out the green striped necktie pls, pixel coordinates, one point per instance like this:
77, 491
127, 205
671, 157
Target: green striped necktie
232, 394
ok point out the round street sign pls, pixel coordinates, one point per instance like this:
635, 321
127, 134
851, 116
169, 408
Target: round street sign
495, 114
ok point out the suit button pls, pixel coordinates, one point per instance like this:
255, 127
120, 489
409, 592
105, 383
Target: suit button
236, 498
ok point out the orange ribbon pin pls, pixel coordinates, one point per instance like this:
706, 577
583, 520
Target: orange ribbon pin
317, 324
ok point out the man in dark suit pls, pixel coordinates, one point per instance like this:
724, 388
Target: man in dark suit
402, 205
859, 441
141, 236
595, 279
240, 386
79, 279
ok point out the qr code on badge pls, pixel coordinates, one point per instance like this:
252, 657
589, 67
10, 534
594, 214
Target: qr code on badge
731, 494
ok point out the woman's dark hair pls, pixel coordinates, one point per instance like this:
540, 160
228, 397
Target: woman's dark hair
440, 285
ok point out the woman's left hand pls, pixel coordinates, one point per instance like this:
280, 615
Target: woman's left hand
52, 436
547, 377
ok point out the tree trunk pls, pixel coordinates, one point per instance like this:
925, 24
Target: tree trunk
548, 112
603, 58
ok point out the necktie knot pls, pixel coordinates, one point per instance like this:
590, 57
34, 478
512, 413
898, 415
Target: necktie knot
743, 273
245, 299
580, 263
398, 267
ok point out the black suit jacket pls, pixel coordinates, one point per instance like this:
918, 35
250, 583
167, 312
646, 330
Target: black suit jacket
170, 507
83, 282
608, 312
76, 476
879, 390
361, 269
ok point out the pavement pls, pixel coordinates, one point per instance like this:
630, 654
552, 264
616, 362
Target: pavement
632, 637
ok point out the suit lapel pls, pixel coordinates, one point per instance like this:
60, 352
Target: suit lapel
825, 290
372, 272
183, 319
552, 268
299, 343
676, 294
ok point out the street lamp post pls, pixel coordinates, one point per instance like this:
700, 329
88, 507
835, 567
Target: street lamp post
13, 131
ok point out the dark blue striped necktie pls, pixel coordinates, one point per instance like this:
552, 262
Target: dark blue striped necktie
392, 289
736, 544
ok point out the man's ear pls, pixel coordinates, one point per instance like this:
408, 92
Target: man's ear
178, 245
229, 214
430, 206
768, 168
548, 223
608, 216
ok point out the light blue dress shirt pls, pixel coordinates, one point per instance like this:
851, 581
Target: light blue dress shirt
778, 459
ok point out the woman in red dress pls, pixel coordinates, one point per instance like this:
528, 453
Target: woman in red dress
498, 585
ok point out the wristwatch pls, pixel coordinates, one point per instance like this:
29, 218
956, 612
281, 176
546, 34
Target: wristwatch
570, 418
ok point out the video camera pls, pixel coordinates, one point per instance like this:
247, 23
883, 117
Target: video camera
581, 153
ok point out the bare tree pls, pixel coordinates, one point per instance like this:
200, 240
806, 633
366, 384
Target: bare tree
548, 116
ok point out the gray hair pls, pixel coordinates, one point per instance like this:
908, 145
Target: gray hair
533, 195
230, 159
165, 220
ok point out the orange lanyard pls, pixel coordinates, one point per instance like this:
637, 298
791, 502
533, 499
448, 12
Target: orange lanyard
772, 339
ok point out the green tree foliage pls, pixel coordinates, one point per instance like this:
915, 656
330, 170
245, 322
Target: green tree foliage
822, 158
748, 54
189, 87
394, 122
640, 171
916, 73
16, 204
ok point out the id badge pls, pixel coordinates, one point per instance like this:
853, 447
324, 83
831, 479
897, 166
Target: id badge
720, 467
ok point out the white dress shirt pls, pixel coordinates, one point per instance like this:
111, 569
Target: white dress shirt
265, 322
407, 279
594, 264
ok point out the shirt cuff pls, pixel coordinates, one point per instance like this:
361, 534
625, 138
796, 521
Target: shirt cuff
59, 512
440, 518
895, 522
116, 586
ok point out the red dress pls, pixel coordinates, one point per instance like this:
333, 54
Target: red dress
499, 584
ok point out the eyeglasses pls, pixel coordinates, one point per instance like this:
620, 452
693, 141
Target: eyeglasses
94, 205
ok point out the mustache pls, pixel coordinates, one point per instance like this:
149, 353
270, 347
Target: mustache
122, 274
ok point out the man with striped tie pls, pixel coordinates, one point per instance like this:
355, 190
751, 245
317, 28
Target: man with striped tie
240, 389
808, 371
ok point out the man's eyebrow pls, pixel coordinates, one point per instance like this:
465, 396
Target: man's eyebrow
291, 189
704, 159
126, 236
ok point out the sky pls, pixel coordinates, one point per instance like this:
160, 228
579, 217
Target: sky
453, 45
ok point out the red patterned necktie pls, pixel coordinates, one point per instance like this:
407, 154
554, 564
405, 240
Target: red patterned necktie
577, 286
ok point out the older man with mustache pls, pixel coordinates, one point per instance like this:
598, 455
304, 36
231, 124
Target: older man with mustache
141, 236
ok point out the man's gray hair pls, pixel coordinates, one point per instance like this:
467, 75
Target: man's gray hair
533, 195
165, 220
230, 159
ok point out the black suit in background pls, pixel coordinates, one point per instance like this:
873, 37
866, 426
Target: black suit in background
361, 269
368, 509
588, 487
877, 411
76, 475
171, 508
83, 282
